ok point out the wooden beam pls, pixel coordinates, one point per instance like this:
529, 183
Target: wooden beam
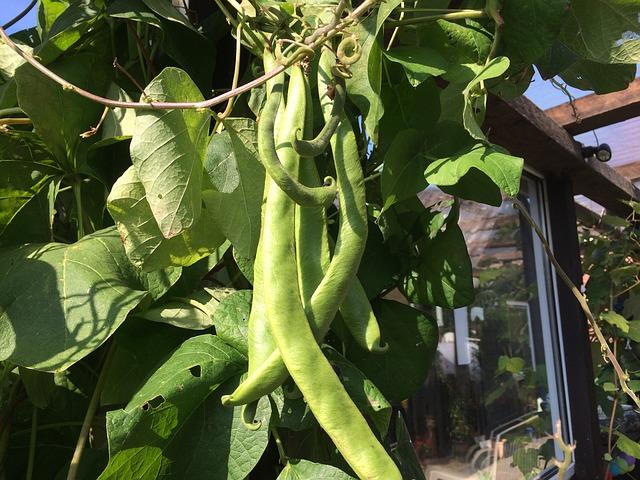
629, 170
595, 111
526, 131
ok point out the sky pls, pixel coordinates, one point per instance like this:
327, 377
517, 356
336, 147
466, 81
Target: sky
11, 8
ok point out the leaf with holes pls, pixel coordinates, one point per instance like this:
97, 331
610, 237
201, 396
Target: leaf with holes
175, 425
167, 151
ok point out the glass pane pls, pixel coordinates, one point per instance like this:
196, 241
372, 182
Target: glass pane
486, 409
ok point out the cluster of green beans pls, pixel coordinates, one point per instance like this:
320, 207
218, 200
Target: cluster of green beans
299, 284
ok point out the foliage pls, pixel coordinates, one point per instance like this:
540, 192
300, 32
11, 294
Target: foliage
129, 235
611, 262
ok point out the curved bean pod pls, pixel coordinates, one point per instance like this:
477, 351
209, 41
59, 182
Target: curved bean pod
299, 193
312, 148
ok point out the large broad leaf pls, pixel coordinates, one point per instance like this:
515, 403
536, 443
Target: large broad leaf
306, 470
67, 114
166, 10
238, 213
605, 31
412, 338
60, 302
176, 427
475, 100
231, 318
402, 175
365, 85
444, 276
145, 245
406, 107
26, 169
220, 163
503, 169
139, 347
419, 63
600, 78
531, 27
167, 150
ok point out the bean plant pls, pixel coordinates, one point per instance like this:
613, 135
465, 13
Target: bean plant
214, 262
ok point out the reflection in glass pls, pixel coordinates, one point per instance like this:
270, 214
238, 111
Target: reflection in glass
486, 410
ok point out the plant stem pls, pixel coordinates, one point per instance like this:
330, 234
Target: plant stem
276, 436
88, 418
32, 443
77, 195
462, 15
236, 76
582, 301
15, 121
4, 112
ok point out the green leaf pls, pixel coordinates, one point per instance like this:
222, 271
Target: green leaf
601, 78
140, 346
616, 320
231, 319
445, 276
69, 27
531, 27
510, 364
605, 31
627, 445
475, 101
406, 107
20, 182
40, 386
403, 167
167, 150
634, 330
67, 114
166, 10
472, 42
405, 453
176, 426
365, 85
120, 122
144, 243
412, 339
609, 387
419, 63
193, 312
220, 163
306, 470
60, 302
503, 169
362, 391
238, 213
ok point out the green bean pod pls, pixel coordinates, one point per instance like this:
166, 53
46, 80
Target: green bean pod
328, 400
259, 339
301, 194
313, 148
330, 282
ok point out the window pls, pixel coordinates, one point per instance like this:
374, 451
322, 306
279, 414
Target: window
497, 385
